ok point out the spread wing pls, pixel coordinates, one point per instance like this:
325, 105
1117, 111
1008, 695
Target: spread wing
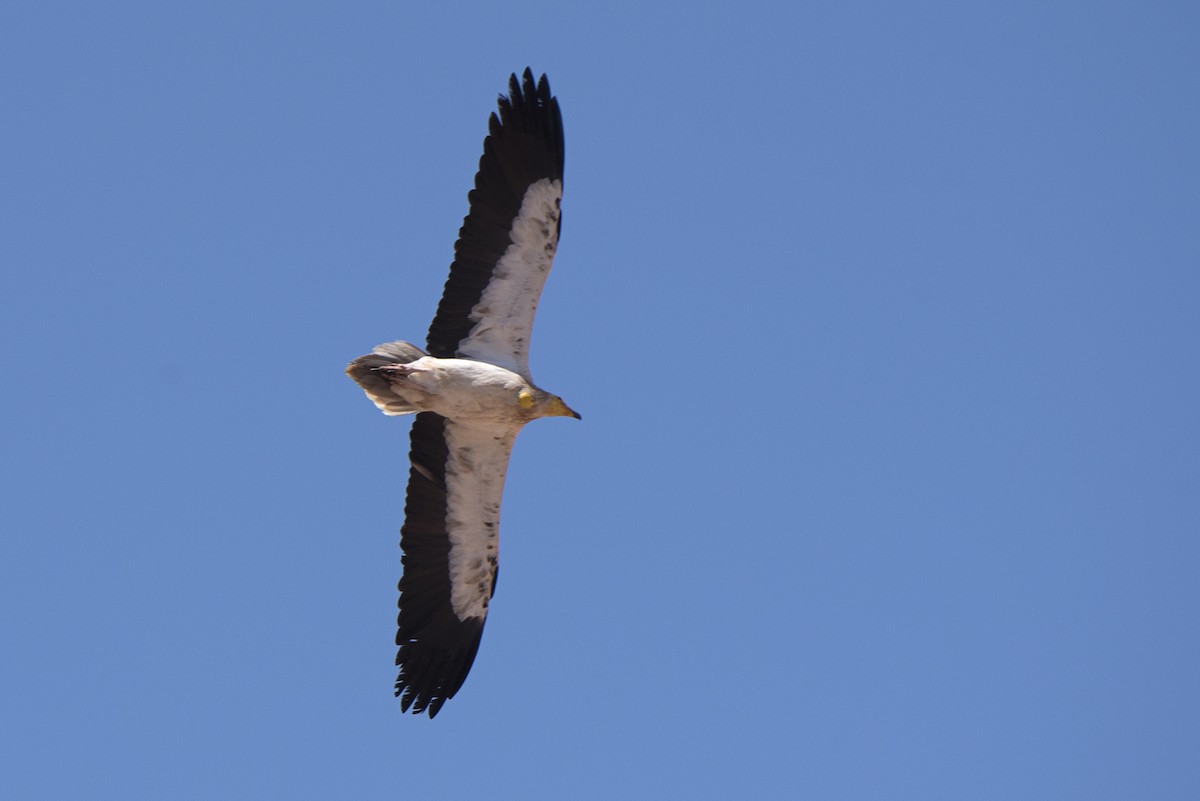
507, 241
450, 540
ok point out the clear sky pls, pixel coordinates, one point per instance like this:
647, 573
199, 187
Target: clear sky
883, 319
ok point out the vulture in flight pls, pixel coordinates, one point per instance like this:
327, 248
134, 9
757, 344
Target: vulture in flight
471, 392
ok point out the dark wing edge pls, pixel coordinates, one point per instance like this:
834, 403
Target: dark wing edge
524, 145
436, 649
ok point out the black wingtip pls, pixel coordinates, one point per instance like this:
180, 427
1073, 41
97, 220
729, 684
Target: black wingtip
526, 91
434, 667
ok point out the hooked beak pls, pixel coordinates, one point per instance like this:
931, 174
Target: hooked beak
560, 409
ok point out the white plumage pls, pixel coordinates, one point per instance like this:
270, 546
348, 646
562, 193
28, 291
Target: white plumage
472, 392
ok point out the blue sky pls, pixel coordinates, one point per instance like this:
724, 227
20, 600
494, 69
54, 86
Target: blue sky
883, 320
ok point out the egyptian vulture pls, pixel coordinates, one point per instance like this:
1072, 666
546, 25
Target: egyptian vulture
472, 392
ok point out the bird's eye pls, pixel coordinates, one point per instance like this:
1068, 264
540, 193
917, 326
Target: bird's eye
525, 399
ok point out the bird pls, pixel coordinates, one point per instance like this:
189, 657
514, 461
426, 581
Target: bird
471, 392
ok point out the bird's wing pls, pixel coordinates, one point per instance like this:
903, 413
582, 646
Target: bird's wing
507, 241
450, 540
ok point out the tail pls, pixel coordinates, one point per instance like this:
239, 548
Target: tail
365, 372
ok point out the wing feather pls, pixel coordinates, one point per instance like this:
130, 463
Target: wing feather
507, 241
450, 541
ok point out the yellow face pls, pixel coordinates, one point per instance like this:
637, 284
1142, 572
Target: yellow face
543, 404
554, 407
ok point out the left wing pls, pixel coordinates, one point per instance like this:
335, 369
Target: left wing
507, 242
450, 541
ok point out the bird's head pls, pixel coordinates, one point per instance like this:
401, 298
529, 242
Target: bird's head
539, 403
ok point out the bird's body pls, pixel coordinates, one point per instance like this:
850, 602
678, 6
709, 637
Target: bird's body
468, 390
471, 393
